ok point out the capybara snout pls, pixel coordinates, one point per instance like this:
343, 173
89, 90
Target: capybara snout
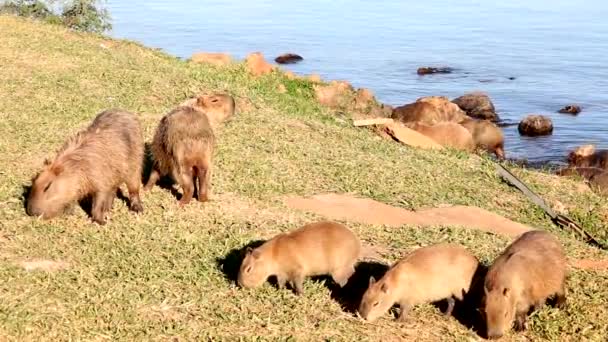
44, 199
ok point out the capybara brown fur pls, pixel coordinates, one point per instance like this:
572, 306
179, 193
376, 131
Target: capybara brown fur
486, 136
529, 271
588, 156
184, 141
428, 274
321, 248
447, 134
94, 162
428, 110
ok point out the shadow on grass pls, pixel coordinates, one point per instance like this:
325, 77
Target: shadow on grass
230, 264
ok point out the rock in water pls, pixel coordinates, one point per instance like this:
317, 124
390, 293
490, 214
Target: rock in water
288, 58
535, 125
478, 106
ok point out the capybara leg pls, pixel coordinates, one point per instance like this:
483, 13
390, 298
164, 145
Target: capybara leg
281, 281
341, 276
101, 201
405, 308
187, 187
203, 185
297, 282
539, 304
451, 302
154, 177
561, 297
520, 321
134, 200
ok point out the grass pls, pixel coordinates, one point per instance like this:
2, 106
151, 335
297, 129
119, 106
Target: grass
164, 274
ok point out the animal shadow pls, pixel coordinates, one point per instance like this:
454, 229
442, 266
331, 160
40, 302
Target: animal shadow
231, 262
165, 182
26, 190
349, 296
467, 312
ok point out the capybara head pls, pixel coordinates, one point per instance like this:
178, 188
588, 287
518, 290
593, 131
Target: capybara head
51, 191
376, 300
255, 269
580, 154
218, 107
499, 310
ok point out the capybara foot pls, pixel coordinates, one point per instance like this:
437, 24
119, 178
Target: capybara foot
136, 207
560, 301
450, 308
203, 198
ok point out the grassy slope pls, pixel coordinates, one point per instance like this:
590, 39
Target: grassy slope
157, 275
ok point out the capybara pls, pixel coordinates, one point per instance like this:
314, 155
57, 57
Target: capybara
428, 274
95, 162
434, 70
588, 156
321, 248
447, 134
486, 136
184, 141
428, 110
288, 58
570, 109
530, 270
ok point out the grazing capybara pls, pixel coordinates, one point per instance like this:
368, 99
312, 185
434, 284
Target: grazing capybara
588, 156
95, 162
447, 134
486, 136
428, 274
530, 270
428, 110
315, 249
184, 141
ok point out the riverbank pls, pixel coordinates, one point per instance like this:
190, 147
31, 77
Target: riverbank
167, 273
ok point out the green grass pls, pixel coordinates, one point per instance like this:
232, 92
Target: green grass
156, 276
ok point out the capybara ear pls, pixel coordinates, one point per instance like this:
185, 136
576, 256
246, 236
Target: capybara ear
57, 170
384, 288
256, 254
200, 101
248, 250
372, 280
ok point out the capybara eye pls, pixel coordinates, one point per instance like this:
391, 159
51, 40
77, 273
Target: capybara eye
48, 186
375, 304
214, 100
248, 269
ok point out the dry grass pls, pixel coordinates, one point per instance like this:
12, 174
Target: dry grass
167, 273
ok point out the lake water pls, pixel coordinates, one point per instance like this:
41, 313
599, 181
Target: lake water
557, 51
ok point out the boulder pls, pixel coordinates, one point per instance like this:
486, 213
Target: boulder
257, 65
334, 95
218, 59
429, 110
288, 58
570, 109
434, 70
477, 105
448, 111
535, 125
364, 99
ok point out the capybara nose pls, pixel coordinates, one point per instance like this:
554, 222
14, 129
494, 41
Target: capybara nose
32, 211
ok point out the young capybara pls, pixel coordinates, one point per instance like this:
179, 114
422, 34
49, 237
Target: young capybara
588, 156
530, 270
315, 249
95, 162
183, 144
428, 274
447, 134
486, 136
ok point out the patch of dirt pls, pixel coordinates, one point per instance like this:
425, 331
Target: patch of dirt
44, 265
590, 264
367, 211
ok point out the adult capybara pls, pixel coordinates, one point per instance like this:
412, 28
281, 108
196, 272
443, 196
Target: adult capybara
530, 270
95, 162
183, 144
429, 274
588, 156
486, 136
315, 249
428, 110
447, 134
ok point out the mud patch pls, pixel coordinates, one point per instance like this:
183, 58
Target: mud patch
367, 211
43, 265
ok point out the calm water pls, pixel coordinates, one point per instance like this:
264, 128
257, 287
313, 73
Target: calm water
557, 50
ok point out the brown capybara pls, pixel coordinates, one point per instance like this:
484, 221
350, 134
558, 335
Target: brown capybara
584, 172
599, 182
95, 162
315, 249
447, 134
184, 141
588, 156
428, 274
428, 110
486, 136
530, 270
